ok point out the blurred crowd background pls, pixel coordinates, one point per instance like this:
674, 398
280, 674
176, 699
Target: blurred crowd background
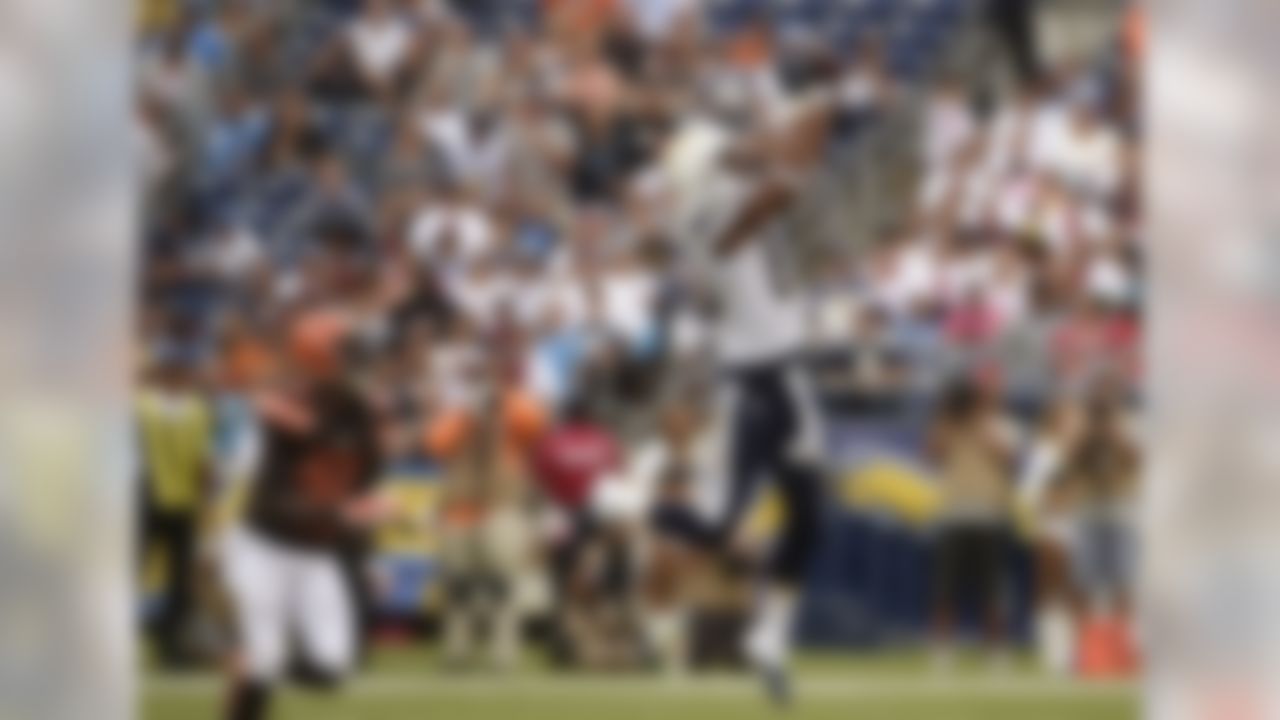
476, 184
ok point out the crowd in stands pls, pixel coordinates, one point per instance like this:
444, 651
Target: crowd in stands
473, 183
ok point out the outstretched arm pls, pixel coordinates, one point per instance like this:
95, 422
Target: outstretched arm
767, 201
785, 156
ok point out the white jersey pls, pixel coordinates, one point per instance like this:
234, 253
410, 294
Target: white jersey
759, 310
761, 317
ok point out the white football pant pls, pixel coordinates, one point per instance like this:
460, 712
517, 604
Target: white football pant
278, 591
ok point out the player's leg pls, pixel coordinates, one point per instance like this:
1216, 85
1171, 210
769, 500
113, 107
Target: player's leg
506, 538
355, 570
801, 491
322, 606
1123, 562
664, 609
771, 637
258, 578
175, 533
750, 432
989, 568
785, 447
799, 476
566, 559
950, 557
800, 487
1055, 604
460, 569
795, 466
793, 459
182, 547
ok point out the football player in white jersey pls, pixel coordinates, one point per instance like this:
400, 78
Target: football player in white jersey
734, 190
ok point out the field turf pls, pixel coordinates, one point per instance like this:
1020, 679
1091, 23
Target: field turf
403, 684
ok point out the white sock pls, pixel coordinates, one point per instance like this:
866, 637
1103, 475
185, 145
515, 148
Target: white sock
666, 633
769, 641
505, 639
1055, 639
457, 635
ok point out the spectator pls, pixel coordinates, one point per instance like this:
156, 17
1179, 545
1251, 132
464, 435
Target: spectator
332, 205
972, 446
465, 177
1057, 603
663, 475
571, 459
485, 441
1098, 481
949, 124
450, 231
380, 41
175, 433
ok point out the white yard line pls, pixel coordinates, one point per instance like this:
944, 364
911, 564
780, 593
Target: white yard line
827, 686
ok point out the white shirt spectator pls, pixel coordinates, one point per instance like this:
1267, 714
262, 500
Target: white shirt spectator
1092, 157
571, 298
1008, 292
977, 197
859, 90
483, 162
690, 335
446, 129
971, 187
916, 277
656, 18
1063, 221
629, 297
177, 83
235, 254
459, 233
963, 274
477, 159
536, 296
380, 42
483, 293
935, 189
1109, 280
834, 313
949, 126
1013, 203
1078, 148
1047, 136
1008, 138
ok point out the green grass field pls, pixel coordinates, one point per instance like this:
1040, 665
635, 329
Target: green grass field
403, 684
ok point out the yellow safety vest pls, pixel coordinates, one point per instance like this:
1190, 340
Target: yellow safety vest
176, 439
154, 16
